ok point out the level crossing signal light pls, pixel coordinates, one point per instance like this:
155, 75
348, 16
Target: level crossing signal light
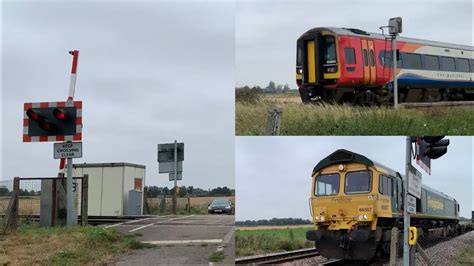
433, 147
56, 121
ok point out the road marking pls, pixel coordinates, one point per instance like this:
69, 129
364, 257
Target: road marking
129, 222
228, 236
159, 222
174, 242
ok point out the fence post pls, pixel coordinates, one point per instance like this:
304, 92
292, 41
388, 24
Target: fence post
16, 188
273, 122
85, 200
394, 246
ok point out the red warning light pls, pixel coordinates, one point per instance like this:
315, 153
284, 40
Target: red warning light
33, 115
59, 114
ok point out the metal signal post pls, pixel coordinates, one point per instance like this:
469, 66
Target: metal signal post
175, 194
406, 215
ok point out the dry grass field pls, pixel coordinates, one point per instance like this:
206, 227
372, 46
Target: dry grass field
29, 205
305, 119
273, 227
195, 201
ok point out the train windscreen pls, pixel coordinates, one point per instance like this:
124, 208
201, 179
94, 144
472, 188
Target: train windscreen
327, 185
358, 182
329, 50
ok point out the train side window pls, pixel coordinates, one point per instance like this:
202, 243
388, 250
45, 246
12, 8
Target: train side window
386, 185
447, 64
372, 58
350, 55
411, 61
431, 62
366, 60
385, 59
389, 186
471, 62
462, 64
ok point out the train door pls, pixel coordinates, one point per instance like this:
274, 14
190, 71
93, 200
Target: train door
371, 59
312, 70
365, 62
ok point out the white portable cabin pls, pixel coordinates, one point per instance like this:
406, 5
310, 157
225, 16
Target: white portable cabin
115, 189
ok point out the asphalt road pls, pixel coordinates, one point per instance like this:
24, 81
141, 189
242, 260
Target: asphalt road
186, 239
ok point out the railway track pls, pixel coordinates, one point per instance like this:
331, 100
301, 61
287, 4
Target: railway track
279, 257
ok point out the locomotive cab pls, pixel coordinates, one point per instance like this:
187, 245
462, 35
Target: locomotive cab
346, 203
317, 63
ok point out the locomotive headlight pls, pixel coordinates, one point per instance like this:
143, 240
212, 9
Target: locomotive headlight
322, 218
299, 71
363, 217
331, 69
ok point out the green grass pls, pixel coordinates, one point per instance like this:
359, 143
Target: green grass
253, 242
216, 256
58, 245
301, 119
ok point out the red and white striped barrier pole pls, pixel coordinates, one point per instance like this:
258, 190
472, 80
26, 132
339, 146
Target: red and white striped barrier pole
72, 89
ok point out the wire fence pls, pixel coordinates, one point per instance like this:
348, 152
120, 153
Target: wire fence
197, 205
34, 198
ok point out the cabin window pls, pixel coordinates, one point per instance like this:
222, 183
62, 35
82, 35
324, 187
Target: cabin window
411, 61
358, 182
385, 59
350, 55
431, 62
299, 56
447, 64
471, 62
385, 185
462, 65
327, 185
330, 50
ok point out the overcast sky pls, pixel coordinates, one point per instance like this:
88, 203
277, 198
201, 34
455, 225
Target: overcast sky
149, 72
266, 31
273, 174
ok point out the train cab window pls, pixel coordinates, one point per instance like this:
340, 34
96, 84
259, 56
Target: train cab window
299, 56
358, 182
411, 61
327, 185
462, 65
447, 64
329, 50
431, 62
385, 185
350, 55
366, 60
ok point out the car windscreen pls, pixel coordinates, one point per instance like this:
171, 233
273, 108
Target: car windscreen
220, 202
327, 185
358, 182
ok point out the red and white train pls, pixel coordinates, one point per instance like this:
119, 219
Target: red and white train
350, 65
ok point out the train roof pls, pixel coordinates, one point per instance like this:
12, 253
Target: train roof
345, 156
361, 33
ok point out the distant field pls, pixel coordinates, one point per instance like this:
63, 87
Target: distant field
261, 240
302, 119
270, 227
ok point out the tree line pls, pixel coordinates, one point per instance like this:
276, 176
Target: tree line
154, 191
272, 87
273, 221
23, 192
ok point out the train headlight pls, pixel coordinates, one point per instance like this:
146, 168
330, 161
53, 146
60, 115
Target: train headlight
331, 69
363, 217
299, 71
323, 218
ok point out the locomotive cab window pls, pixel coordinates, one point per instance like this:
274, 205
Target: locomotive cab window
385, 185
299, 56
358, 182
327, 185
329, 50
350, 55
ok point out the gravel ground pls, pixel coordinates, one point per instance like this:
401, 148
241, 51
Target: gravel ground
447, 252
444, 253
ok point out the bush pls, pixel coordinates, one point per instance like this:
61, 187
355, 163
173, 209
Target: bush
247, 96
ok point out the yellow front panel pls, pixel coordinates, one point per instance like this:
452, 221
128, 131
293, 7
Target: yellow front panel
311, 62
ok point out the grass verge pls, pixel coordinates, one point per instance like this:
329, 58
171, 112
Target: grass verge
57, 245
301, 119
254, 242
216, 256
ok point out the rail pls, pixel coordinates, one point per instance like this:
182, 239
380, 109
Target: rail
279, 257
